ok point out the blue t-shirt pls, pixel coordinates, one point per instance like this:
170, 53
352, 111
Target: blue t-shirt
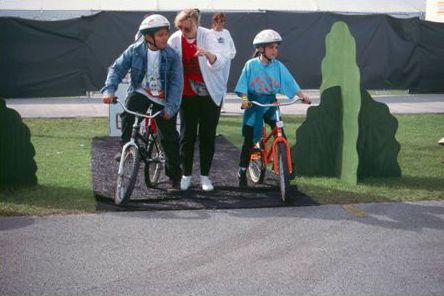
262, 83
258, 80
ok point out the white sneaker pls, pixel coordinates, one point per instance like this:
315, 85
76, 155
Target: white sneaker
185, 183
441, 141
206, 183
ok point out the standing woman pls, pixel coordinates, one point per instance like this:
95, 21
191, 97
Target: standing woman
204, 88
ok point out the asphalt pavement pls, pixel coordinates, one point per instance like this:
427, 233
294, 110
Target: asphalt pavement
366, 249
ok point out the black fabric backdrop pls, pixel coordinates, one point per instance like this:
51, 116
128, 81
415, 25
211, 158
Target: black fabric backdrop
70, 57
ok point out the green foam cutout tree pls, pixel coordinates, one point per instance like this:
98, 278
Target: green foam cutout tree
17, 165
349, 135
377, 147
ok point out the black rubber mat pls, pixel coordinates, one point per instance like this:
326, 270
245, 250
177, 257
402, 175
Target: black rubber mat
227, 193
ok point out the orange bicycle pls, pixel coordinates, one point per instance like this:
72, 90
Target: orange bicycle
277, 153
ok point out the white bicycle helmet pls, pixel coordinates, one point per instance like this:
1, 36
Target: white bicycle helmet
265, 37
153, 23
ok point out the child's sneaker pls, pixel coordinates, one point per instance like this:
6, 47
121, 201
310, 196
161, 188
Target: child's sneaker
206, 183
242, 175
185, 183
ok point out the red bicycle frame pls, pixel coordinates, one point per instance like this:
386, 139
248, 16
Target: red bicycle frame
270, 150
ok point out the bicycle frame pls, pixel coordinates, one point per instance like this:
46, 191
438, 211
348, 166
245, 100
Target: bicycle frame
278, 137
135, 131
270, 150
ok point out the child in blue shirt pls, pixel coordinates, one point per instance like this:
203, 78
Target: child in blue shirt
262, 78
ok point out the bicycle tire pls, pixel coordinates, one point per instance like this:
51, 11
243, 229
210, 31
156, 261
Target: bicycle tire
256, 167
284, 175
153, 163
126, 180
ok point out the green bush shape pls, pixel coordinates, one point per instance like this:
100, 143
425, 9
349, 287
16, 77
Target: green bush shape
17, 165
349, 135
377, 147
318, 140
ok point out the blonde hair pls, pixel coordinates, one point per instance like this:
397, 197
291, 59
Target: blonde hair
188, 14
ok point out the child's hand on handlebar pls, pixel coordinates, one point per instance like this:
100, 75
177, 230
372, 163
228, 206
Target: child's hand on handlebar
245, 105
245, 102
305, 99
109, 99
165, 115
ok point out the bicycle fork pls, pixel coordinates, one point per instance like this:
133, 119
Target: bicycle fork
131, 142
279, 138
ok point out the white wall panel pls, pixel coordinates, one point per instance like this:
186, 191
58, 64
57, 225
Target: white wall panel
376, 6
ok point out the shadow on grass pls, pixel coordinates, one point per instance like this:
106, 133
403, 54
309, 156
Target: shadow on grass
45, 200
393, 189
65, 137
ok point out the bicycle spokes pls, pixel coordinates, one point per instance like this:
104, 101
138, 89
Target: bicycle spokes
127, 175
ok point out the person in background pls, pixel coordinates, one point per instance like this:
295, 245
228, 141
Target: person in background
204, 88
225, 41
157, 80
262, 78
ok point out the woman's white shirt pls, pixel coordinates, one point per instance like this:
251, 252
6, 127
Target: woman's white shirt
213, 74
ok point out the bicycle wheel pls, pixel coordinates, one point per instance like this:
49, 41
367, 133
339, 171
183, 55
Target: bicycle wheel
127, 176
284, 176
153, 163
256, 168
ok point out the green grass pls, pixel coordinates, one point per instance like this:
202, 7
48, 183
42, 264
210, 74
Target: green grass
63, 153
63, 148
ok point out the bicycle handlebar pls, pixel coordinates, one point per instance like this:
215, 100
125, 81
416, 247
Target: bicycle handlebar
277, 103
115, 100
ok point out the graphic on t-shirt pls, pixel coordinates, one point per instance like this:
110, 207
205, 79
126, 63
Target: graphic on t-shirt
154, 87
151, 84
221, 40
264, 85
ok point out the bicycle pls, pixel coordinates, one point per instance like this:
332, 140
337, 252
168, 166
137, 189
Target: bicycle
277, 153
143, 145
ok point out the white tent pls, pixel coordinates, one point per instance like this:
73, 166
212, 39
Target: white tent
43, 9
435, 11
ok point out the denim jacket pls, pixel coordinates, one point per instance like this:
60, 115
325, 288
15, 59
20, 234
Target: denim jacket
134, 59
